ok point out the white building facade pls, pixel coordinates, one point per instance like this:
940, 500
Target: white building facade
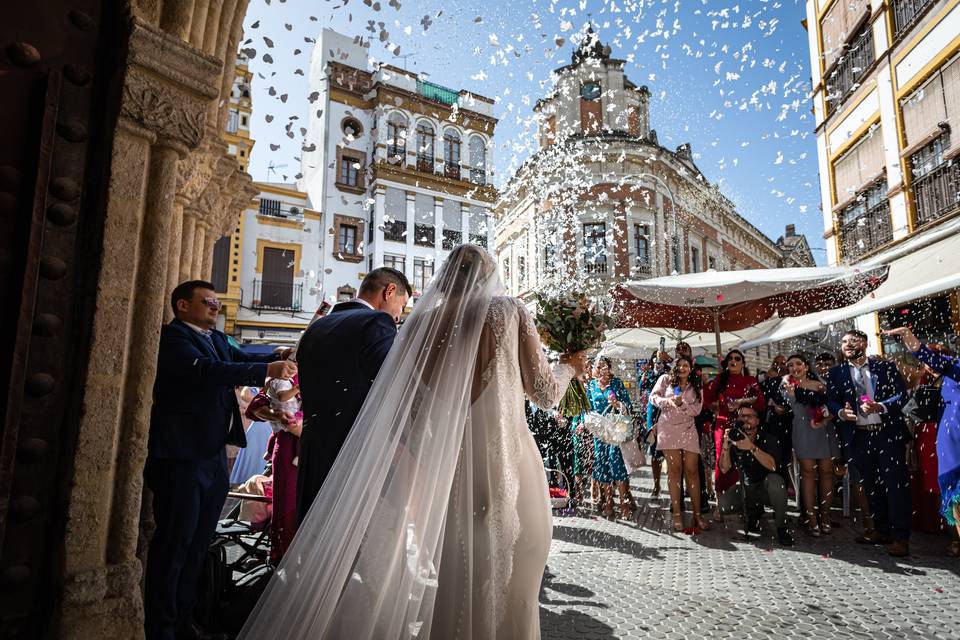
399, 167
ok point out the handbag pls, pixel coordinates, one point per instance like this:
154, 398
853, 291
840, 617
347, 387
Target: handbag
611, 428
633, 457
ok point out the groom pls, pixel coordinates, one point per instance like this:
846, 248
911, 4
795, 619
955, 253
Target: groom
339, 356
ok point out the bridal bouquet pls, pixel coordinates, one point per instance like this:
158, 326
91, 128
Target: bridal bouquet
569, 324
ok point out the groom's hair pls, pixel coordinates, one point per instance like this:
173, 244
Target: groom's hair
380, 277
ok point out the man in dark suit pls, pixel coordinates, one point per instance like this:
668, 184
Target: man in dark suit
339, 356
867, 395
195, 413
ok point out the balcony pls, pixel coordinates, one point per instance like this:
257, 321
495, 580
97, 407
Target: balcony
395, 231
478, 239
423, 235
425, 164
906, 13
451, 238
595, 265
276, 209
853, 64
478, 176
865, 229
937, 193
269, 295
437, 93
451, 170
642, 268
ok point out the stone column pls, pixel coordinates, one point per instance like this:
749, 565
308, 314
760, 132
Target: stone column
167, 90
206, 268
186, 247
199, 244
173, 253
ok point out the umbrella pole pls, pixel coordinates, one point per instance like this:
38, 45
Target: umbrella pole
716, 333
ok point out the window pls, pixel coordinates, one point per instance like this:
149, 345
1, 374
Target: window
425, 136
478, 160
351, 128
905, 14
936, 182
233, 119
712, 263
396, 138
452, 224
395, 215
350, 170
595, 247
221, 264
277, 289
549, 131
395, 262
424, 227
641, 239
865, 224
505, 271
694, 259
677, 251
347, 239
590, 91
477, 222
243, 121
422, 273
521, 272
451, 154
851, 67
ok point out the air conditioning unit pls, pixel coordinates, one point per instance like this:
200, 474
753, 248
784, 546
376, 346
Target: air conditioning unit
294, 211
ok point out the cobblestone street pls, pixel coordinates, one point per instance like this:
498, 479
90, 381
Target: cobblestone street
641, 580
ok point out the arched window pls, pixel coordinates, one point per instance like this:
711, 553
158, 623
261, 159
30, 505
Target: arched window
478, 160
451, 153
396, 138
425, 136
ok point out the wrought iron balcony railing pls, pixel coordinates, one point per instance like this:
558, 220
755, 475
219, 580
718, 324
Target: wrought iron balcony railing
478, 176
853, 64
479, 239
270, 295
906, 13
937, 193
451, 238
451, 170
276, 209
863, 233
395, 231
423, 235
595, 266
425, 164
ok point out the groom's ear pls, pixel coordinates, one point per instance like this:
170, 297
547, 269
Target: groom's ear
389, 290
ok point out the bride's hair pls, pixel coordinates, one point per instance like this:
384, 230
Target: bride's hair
467, 266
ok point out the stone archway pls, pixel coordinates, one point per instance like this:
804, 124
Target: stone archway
114, 185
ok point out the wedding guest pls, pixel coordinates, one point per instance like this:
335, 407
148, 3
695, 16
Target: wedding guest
605, 390
778, 420
867, 395
658, 365
251, 459
948, 429
823, 363
195, 415
814, 441
678, 396
732, 389
703, 422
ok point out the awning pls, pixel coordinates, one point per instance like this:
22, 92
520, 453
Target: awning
640, 343
923, 273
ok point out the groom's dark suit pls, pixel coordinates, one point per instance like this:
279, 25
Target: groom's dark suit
338, 358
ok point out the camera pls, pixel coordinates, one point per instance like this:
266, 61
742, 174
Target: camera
736, 433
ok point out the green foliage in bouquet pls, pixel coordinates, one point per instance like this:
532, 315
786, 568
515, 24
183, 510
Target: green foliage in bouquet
566, 325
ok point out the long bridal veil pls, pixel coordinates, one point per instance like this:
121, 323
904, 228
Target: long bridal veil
365, 561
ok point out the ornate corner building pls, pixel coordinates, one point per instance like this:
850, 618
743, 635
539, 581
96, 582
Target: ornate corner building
602, 201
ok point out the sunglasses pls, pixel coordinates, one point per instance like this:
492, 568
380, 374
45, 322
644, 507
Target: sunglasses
213, 303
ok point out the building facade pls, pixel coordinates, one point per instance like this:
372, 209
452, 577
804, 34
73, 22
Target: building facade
602, 201
886, 77
399, 167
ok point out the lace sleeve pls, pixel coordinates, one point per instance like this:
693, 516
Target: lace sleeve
545, 385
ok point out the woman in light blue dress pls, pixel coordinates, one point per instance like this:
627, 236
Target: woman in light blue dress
608, 469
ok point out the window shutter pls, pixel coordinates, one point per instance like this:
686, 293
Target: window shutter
951, 96
861, 164
922, 110
277, 289
839, 24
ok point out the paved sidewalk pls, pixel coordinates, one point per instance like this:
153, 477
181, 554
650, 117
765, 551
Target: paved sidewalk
609, 580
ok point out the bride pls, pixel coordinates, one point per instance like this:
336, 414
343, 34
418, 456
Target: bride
435, 520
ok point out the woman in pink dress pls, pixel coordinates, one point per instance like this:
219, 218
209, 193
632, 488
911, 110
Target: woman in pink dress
677, 395
732, 389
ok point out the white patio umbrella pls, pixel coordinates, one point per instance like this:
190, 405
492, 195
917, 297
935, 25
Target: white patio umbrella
721, 302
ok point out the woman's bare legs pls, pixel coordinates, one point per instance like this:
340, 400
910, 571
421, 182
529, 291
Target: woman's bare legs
691, 472
674, 472
826, 476
656, 465
808, 490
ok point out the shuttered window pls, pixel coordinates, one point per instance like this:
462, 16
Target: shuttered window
937, 101
221, 264
859, 166
839, 24
277, 289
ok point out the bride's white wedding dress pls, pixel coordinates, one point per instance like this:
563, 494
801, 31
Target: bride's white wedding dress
434, 521
509, 513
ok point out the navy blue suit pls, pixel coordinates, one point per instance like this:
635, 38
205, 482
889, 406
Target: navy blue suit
879, 455
195, 413
338, 358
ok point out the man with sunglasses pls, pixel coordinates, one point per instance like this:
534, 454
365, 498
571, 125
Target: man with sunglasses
194, 415
755, 455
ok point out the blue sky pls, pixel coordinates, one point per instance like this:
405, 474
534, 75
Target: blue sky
730, 77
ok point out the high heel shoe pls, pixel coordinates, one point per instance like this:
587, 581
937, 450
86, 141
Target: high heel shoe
678, 522
700, 522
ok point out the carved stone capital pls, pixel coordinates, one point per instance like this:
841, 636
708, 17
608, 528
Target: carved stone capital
169, 87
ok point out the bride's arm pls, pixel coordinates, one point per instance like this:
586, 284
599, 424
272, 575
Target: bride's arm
544, 384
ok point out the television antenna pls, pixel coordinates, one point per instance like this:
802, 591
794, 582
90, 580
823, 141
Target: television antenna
272, 168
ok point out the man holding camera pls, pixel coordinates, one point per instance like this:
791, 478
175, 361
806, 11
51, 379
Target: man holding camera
755, 456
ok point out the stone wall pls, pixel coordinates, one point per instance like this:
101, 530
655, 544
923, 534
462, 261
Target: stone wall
173, 191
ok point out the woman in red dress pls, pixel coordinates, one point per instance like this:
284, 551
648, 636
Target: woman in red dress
732, 389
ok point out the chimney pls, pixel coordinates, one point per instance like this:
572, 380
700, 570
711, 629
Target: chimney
791, 230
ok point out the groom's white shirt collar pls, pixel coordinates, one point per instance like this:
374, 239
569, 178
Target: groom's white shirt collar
363, 302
